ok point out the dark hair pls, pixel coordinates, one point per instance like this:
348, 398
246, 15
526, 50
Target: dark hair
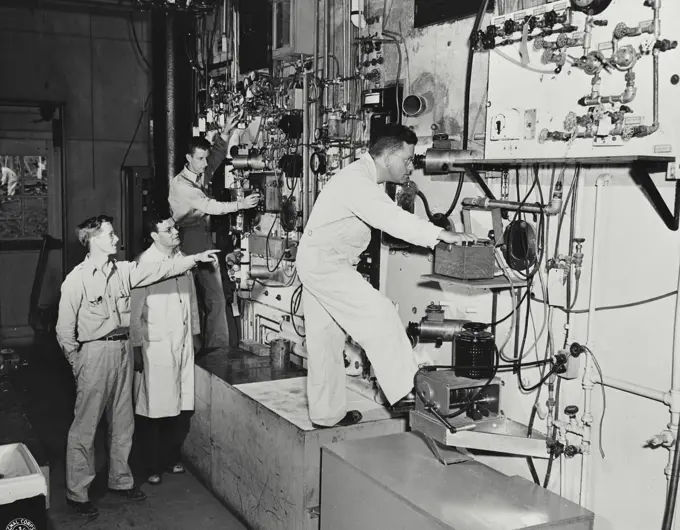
90, 227
197, 142
391, 138
156, 215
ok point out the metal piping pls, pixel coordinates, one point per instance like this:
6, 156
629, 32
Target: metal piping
326, 49
626, 96
307, 198
588, 381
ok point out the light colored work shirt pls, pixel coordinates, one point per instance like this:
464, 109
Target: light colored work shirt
189, 202
339, 227
95, 300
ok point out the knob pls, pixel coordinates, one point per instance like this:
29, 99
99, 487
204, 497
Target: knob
571, 451
571, 411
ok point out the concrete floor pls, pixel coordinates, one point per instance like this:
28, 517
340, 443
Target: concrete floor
46, 391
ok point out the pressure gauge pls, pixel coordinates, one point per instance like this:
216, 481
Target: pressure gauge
590, 7
318, 162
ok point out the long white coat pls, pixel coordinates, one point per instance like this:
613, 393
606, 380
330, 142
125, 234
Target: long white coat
337, 300
164, 316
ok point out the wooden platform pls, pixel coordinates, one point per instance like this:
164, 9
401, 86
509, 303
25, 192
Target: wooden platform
253, 443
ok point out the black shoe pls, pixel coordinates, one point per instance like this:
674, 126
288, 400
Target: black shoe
351, 418
83, 508
134, 494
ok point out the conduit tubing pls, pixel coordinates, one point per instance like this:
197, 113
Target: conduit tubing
588, 382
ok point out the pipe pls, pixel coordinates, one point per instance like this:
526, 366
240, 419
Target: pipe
289, 330
635, 389
444, 160
251, 162
588, 382
259, 272
626, 96
307, 197
646, 130
345, 57
552, 208
671, 470
326, 49
315, 59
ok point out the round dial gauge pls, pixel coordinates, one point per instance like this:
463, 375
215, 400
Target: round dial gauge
318, 162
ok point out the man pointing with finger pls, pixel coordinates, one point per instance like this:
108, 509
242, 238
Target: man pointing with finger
336, 299
93, 332
191, 209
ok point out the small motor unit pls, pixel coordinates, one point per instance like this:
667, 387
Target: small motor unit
465, 262
450, 393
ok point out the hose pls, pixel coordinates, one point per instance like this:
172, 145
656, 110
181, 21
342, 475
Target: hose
468, 73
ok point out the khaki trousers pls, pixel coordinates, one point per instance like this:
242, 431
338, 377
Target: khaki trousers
103, 373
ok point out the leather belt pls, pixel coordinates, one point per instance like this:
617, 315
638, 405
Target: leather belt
116, 337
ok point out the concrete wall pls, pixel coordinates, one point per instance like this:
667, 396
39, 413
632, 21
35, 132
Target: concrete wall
90, 63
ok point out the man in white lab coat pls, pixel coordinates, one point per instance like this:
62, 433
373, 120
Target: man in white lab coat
163, 324
336, 299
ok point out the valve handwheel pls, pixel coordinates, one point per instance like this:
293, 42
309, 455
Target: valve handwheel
590, 7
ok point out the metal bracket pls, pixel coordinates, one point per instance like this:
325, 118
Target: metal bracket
444, 454
639, 171
472, 171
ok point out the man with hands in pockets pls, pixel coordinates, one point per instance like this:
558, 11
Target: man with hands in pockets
93, 332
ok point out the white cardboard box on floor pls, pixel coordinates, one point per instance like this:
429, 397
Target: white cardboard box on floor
20, 475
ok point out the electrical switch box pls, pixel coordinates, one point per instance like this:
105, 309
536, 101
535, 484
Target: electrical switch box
504, 125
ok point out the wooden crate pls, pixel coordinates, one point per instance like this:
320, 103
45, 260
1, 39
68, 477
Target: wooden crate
468, 263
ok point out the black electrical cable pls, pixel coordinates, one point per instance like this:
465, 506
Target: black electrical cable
610, 307
524, 341
456, 197
295, 300
521, 301
426, 204
468, 72
552, 371
531, 364
266, 247
541, 225
530, 461
134, 135
139, 48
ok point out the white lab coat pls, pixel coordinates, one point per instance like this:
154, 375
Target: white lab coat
337, 300
164, 316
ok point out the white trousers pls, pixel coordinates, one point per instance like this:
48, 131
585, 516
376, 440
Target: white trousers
339, 301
